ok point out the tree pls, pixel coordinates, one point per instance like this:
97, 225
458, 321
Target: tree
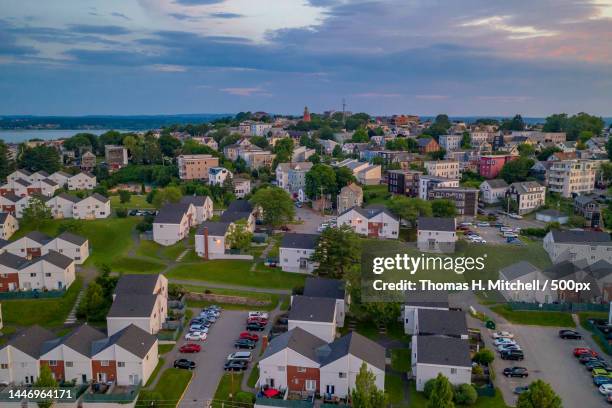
574, 125
441, 393
547, 152
344, 176
516, 123
259, 141
539, 395
239, 236
336, 251
94, 305
166, 195
384, 313
337, 152
526, 150
516, 170
443, 208
609, 148
45, 380
320, 179
283, 150
366, 394
360, 136
169, 145
605, 172
440, 126
276, 204
6, 166
466, 394
124, 196
41, 157
36, 213
409, 208
484, 356
466, 141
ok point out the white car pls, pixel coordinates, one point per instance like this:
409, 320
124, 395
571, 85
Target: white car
198, 328
483, 224
262, 315
516, 216
505, 229
196, 335
605, 389
503, 334
502, 341
323, 227
508, 234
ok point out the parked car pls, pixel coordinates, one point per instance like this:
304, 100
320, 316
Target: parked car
515, 216
521, 389
235, 365
258, 314
503, 334
587, 358
591, 365
190, 348
516, 372
578, 351
570, 334
184, 364
505, 347
198, 327
255, 327
503, 340
599, 371
512, 355
240, 355
249, 336
602, 379
196, 335
244, 344
256, 319
483, 224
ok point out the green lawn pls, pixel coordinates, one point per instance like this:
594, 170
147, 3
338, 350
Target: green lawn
400, 360
377, 194
164, 348
149, 249
253, 377
271, 299
50, 313
136, 202
169, 388
535, 318
229, 390
155, 372
418, 400
173, 251
237, 273
394, 389
136, 265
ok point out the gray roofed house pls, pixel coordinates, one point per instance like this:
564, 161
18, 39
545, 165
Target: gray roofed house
569, 236
81, 339
132, 305
237, 210
72, 238
436, 224
446, 351
55, 258
12, 261
136, 284
100, 197
23, 182
298, 340
38, 237
324, 288
49, 182
517, 270
197, 201
131, 338
12, 197
354, 344
497, 183
371, 211
442, 322
300, 241
215, 228
172, 213
31, 341
578, 246
66, 196
312, 309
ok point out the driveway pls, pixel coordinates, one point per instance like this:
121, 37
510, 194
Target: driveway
310, 220
210, 360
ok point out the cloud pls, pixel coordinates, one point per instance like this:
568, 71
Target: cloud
515, 31
505, 98
226, 15
168, 68
432, 97
197, 2
244, 91
120, 15
99, 29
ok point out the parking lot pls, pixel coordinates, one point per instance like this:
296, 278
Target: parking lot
310, 220
549, 358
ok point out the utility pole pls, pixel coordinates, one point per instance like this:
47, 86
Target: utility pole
344, 112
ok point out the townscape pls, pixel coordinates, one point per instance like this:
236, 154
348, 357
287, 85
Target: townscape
218, 264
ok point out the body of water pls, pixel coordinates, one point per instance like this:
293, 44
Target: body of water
23, 135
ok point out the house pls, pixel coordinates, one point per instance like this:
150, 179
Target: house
552, 216
301, 153
62, 205
301, 362
364, 172
433, 355
589, 208
240, 210
438, 322
116, 157
586, 246
88, 161
332, 289
257, 158
52, 271
427, 145
173, 222
242, 187
202, 205
450, 142
291, 177
597, 275
61, 178
571, 177
8, 225
427, 183
417, 300
489, 166
528, 196
443, 168
19, 174
492, 191
22, 188
211, 239
328, 146
19, 356
140, 300
195, 166
218, 175
436, 234
373, 221
207, 141
317, 316
69, 357
350, 196
465, 198
127, 357
95, 206
82, 181
296, 251
71, 245
8, 203
524, 272
404, 182
29, 246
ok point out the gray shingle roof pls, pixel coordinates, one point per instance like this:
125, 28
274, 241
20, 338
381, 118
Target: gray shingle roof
442, 322
430, 298
12, 197
132, 338
197, 201
517, 270
312, 309
31, 340
49, 182
69, 197
299, 241
496, 183
356, 345
237, 210
581, 237
325, 288
3, 217
82, 338
134, 305
72, 238
12, 261
436, 224
171, 213
371, 211
100, 197
424, 141
38, 237
216, 228
297, 340
447, 351
136, 284
55, 258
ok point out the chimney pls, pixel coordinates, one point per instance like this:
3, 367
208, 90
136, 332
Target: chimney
206, 243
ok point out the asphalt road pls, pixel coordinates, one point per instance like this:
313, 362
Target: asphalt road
311, 220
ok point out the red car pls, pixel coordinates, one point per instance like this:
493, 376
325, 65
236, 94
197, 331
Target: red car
190, 348
249, 336
584, 350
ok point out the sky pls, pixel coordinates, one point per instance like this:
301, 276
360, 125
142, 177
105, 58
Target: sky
460, 57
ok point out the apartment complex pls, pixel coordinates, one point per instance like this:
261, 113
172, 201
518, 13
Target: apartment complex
116, 157
569, 177
465, 199
443, 168
195, 166
405, 182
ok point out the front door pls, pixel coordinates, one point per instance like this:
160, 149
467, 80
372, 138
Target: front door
330, 389
102, 377
303, 263
133, 379
84, 378
270, 382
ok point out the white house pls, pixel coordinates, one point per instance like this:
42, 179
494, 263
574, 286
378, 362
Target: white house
19, 174
19, 356
528, 195
491, 191
524, 272
202, 205
218, 175
435, 300
433, 355
52, 271
8, 225
242, 187
141, 300
587, 246
438, 322
62, 205
332, 289
295, 252
436, 234
71, 245
317, 316
210, 239
173, 222
82, 181
373, 221
92, 207
240, 210
61, 178
29, 246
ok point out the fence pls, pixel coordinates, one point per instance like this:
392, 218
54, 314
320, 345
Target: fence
124, 397
603, 340
32, 294
560, 307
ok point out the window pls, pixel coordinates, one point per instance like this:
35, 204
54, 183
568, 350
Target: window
48, 274
341, 375
32, 275
104, 363
69, 364
120, 363
281, 368
453, 371
4, 366
311, 385
301, 369
52, 363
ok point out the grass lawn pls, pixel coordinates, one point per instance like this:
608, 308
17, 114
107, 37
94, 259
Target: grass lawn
271, 299
377, 194
394, 388
136, 265
253, 377
164, 348
400, 360
173, 251
50, 313
191, 257
418, 400
229, 390
169, 388
555, 319
155, 372
149, 249
237, 273
136, 202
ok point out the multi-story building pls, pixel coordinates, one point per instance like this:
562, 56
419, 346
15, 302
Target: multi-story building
436, 234
405, 182
428, 145
218, 175
116, 157
295, 252
465, 199
88, 161
195, 166
589, 208
242, 187
570, 177
374, 222
450, 142
528, 195
301, 153
257, 158
490, 166
350, 196
578, 246
429, 183
291, 177
82, 181
491, 191
443, 168
173, 222
260, 129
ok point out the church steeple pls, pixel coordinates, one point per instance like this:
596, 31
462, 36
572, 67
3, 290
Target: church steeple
306, 117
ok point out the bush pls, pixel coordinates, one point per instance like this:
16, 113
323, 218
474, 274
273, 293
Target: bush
244, 397
477, 370
484, 356
465, 394
534, 232
121, 212
429, 385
